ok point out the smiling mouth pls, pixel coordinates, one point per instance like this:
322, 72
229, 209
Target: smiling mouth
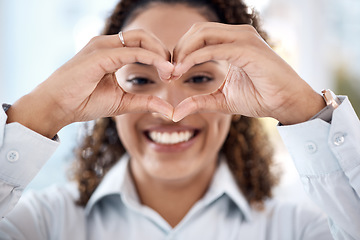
171, 138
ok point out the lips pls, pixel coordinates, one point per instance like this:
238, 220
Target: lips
171, 138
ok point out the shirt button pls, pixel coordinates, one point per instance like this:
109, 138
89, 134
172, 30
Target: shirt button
12, 156
339, 139
310, 147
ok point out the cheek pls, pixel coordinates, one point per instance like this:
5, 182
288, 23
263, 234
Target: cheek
127, 131
218, 128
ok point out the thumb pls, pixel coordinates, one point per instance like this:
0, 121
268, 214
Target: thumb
213, 102
132, 103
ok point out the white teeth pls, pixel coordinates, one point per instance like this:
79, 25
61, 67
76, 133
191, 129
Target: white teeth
171, 138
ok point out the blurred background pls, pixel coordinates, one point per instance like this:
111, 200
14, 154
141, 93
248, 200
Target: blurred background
319, 39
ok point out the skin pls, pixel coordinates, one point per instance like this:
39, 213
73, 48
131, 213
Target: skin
86, 87
258, 84
170, 180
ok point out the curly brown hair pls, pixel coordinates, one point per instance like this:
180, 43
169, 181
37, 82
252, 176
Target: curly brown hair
246, 148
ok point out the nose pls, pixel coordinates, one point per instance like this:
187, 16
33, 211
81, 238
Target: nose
172, 93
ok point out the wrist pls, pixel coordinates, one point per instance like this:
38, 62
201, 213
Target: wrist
37, 114
301, 108
332, 102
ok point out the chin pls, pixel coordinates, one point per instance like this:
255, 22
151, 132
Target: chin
180, 166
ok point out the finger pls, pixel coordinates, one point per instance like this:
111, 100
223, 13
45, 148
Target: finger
206, 34
141, 38
214, 102
164, 76
110, 60
194, 31
198, 37
225, 52
133, 39
132, 103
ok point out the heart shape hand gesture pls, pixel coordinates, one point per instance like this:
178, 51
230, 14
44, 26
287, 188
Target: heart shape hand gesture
258, 84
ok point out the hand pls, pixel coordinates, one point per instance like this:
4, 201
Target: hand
86, 88
258, 84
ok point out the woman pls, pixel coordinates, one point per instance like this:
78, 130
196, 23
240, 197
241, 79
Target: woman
167, 93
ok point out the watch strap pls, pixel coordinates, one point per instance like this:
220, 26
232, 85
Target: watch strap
332, 102
6, 106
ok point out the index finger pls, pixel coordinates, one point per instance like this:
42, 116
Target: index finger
133, 103
137, 38
213, 102
206, 34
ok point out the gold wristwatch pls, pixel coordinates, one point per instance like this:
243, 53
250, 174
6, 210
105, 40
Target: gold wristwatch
330, 98
332, 102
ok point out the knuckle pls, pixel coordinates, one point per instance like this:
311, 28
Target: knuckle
104, 59
204, 24
140, 33
203, 31
135, 37
95, 39
197, 26
249, 27
93, 44
251, 37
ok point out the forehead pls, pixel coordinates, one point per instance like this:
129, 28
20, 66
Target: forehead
168, 22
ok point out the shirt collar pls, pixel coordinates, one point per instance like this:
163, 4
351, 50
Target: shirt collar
119, 182
224, 183
113, 183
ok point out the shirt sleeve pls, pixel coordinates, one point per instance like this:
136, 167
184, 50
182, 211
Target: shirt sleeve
22, 154
327, 157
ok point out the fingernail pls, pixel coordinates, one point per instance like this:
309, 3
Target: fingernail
168, 78
165, 77
174, 77
167, 66
176, 69
170, 65
167, 116
175, 118
177, 66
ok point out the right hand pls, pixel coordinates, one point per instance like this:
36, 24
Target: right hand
85, 88
259, 83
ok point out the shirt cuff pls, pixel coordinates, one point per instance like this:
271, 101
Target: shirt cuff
318, 147
22, 152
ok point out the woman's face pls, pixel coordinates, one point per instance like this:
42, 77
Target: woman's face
160, 148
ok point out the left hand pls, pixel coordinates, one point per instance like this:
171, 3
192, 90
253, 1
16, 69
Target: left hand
259, 83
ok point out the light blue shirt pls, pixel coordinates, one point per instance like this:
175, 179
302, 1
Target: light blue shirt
330, 174
327, 157
115, 212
